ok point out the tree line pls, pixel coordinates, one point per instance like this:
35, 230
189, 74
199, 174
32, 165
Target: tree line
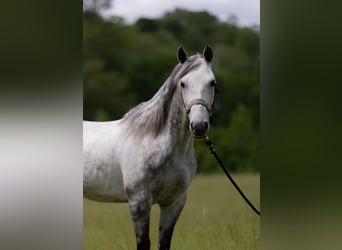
125, 64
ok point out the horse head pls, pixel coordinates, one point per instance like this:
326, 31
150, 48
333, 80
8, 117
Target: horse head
198, 90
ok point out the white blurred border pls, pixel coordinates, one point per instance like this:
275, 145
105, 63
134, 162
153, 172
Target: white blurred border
41, 170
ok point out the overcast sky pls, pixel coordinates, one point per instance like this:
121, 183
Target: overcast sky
247, 11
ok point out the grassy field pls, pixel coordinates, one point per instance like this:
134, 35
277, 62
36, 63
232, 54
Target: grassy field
214, 218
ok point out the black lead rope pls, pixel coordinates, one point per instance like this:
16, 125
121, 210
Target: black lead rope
212, 150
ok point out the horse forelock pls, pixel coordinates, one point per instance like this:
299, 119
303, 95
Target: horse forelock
150, 117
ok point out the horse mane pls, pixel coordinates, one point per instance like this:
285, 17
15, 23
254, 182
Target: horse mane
150, 117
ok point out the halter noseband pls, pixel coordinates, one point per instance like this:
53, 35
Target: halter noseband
198, 102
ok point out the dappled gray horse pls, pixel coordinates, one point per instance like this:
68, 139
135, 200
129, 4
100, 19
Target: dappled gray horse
148, 156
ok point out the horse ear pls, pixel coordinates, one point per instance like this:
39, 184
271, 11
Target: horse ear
208, 54
181, 55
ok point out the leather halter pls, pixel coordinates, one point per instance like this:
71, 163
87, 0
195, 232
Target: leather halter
198, 102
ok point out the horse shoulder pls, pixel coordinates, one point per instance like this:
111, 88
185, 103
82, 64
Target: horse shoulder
102, 174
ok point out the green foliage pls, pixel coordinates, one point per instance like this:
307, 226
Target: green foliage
236, 144
126, 64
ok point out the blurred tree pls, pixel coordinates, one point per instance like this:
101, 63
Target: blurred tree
242, 149
100, 87
96, 5
248, 41
190, 27
148, 25
150, 72
225, 33
236, 144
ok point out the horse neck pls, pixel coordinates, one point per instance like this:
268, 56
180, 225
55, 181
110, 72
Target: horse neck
178, 121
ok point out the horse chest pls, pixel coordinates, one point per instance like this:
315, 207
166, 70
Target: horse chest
171, 176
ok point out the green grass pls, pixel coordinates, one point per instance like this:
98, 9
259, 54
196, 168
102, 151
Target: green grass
215, 218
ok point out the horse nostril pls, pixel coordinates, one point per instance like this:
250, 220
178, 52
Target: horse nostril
192, 126
205, 125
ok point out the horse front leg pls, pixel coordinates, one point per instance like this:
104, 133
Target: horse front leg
168, 217
140, 208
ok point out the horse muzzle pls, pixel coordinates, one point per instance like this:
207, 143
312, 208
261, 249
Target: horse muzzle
199, 129
199, 113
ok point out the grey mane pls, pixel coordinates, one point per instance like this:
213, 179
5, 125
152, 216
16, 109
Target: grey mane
150, 117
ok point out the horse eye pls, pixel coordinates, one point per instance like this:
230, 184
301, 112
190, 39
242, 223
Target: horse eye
213, 83
182, 84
